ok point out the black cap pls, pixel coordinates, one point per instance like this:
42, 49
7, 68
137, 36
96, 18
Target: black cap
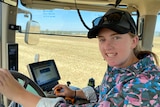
123, 23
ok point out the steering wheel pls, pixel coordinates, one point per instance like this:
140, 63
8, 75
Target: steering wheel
27, 81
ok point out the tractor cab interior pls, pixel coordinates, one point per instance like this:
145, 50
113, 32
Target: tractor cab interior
46, 43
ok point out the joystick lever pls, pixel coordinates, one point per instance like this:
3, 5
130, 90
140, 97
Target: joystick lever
68, 83
69, 99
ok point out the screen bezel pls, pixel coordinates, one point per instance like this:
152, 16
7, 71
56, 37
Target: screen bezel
12, 56
54, 80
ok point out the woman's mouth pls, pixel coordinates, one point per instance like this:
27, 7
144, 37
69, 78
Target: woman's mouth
111, 55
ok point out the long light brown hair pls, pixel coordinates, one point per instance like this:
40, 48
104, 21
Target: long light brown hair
139, 51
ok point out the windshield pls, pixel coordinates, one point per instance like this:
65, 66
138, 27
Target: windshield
64, 39
77, 58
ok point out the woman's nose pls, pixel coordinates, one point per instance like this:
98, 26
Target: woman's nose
108, 46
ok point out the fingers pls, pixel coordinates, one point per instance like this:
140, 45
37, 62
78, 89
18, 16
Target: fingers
5, 79
63, 90
4, 76
58, 90
59, 86
8, 85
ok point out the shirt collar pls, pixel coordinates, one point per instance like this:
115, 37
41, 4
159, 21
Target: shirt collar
145, 63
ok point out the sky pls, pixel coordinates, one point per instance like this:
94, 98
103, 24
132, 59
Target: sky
63, 19
59, 19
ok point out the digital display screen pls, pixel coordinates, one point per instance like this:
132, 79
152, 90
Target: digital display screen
45, 73
13, 56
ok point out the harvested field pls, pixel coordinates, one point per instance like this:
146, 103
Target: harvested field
77, 59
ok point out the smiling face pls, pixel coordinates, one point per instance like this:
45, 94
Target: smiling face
117, 49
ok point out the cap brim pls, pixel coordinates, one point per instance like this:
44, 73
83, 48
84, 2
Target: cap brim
95, 30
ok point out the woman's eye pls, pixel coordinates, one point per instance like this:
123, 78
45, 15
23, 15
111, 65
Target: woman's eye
116, 37
101, 39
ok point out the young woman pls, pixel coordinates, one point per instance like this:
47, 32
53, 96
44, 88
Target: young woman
131, 79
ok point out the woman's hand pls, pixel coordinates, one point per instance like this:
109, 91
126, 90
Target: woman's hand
10, 88
63, 90
8, 85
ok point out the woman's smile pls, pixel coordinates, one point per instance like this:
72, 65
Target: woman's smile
111, 55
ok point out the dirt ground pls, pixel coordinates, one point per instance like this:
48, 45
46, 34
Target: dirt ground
77, 59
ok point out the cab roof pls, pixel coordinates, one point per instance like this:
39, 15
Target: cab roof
145, 7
